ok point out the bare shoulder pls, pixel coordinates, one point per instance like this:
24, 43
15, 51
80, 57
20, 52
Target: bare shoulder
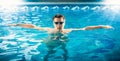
48, 29
67, 30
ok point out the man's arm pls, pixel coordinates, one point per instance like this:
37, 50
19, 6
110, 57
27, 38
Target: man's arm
30, 26
94, 27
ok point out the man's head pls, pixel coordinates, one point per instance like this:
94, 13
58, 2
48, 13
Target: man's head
59, 21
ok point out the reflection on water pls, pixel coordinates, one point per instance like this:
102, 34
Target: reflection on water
20, 44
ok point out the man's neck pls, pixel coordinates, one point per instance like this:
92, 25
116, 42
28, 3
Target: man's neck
59, 30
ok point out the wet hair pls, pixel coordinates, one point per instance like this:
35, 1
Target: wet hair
58, 16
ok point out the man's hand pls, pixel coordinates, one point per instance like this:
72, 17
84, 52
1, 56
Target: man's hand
107, 26
12, 24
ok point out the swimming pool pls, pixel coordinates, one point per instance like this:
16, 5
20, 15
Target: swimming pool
17, 43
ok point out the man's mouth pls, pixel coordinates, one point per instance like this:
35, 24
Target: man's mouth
59, 27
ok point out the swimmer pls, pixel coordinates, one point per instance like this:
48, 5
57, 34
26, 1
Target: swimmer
58, 35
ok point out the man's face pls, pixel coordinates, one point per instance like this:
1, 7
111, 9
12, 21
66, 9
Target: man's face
59, 23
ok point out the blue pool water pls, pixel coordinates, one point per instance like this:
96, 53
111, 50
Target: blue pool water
23, 44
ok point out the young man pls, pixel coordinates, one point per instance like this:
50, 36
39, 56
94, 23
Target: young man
57, 35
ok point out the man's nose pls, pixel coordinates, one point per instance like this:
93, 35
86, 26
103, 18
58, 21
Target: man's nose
58, 24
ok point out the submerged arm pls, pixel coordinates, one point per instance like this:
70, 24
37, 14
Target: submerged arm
94, 27
29, 26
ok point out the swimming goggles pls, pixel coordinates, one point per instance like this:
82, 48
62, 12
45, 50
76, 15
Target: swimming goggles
58, 22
